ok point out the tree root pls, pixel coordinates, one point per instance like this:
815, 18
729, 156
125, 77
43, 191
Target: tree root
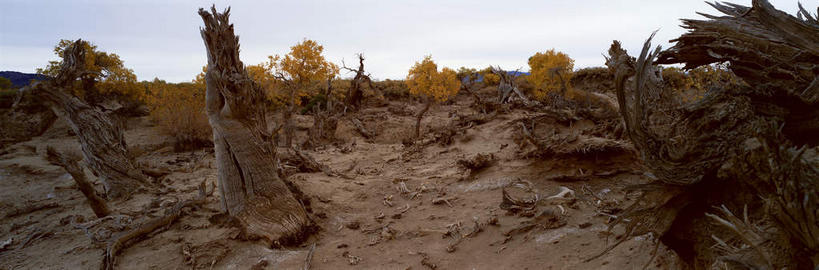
129, 238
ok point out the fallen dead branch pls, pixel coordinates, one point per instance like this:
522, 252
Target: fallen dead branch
31, 208
69, 163
444, 200
129, 238
361, 129
310, 163
309, 258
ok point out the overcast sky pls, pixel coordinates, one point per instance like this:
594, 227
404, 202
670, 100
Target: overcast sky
161, 38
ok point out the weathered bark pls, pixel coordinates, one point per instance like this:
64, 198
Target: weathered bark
752, 138
251, 189
420, 115
103, 145
354, 95
73, 168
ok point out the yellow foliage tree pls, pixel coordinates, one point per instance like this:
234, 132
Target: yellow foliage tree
108, 74
424, 80
550, 71
299, 73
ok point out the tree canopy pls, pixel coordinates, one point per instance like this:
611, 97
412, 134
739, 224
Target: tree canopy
550, 71
425, 80
106, 72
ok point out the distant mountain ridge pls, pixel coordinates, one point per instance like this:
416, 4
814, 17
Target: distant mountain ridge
19, 79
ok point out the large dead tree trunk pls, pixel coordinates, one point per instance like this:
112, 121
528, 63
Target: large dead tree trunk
250, 186
103, 145
736, 145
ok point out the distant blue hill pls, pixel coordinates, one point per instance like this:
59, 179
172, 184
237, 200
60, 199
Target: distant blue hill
19, 79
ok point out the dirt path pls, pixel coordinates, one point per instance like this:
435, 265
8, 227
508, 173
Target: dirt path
406, 208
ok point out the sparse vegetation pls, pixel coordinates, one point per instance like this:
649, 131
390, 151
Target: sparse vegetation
708, 162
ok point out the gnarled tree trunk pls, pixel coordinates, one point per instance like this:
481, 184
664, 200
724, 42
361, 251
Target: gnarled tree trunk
738, 144
103, 145
251, 189
420, 115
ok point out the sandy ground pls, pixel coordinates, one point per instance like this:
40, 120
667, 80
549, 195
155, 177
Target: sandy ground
366, 222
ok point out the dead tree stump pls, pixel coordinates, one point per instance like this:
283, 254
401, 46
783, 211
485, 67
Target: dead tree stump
251, 189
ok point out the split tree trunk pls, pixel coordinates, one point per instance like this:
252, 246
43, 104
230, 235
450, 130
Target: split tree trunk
245, 157
103, 144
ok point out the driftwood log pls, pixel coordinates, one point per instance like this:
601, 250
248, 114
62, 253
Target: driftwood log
738, 144
103, 144
251, 189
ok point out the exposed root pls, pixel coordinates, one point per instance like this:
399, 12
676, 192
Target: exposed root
127, 239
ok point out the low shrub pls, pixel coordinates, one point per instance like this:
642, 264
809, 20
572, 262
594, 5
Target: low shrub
179, 111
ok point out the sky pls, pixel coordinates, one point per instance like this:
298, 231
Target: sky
160, 39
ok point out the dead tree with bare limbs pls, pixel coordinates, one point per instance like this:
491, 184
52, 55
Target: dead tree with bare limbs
355, 94
507, 85
103, 145
252, 191
749, 148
